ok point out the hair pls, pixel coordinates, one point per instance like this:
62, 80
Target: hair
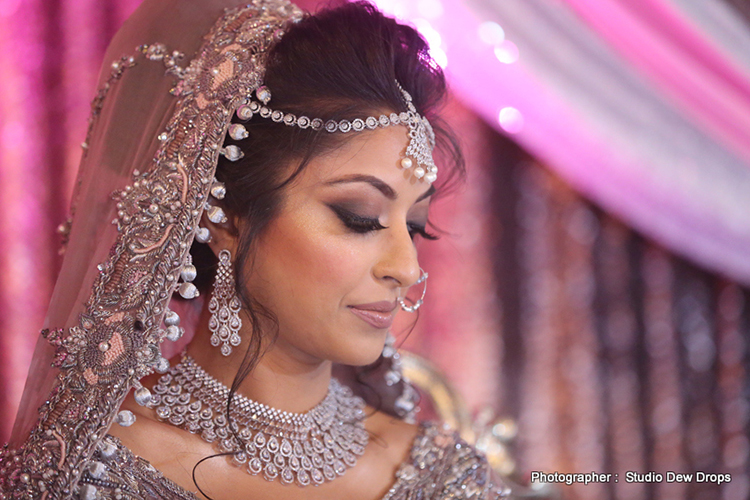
341, 63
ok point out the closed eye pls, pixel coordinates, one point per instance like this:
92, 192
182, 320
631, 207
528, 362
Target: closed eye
355, 222
417, 229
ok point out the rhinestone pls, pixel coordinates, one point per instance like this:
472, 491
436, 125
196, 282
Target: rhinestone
273, 444
125, 418
287, 476
254, 466
174, 333
188, 291
270, 472
239, 458
259, 440
232, 152
162, 365
238, 132
208, 435
142, 396
317, 445
303, 478
171, 318
202, 235
216, 215
286, 448
263, 94
218, 190
188, 273
244, 112
317, 476
176, 420
226, 445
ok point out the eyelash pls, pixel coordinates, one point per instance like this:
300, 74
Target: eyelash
363, 225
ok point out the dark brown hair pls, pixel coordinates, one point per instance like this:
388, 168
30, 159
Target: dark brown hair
341, 63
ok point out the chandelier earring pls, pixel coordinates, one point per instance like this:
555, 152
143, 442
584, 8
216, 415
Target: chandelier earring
224, 306
412, 308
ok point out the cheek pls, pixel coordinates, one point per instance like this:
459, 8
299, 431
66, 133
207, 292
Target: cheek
301, 259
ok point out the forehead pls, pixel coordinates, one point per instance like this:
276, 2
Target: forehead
376, 153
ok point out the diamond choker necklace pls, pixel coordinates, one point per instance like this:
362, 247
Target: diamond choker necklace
306, 448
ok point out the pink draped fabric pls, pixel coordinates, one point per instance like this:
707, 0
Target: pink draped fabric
668, 48
613, 95
50, 53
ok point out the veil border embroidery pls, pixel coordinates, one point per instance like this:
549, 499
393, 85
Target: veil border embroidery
116, 341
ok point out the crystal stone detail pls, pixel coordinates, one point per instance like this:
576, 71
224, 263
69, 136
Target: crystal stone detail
303, 448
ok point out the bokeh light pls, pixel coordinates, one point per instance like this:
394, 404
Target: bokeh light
507, 52
511, 120
491, 33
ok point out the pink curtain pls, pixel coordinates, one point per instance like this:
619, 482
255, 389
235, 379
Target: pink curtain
50, 53
641, 105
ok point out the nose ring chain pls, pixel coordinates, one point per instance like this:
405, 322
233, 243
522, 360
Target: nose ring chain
422, 279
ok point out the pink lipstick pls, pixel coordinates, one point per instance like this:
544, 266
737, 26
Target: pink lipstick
376, 314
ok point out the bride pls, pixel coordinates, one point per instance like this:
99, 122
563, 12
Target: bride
278, 168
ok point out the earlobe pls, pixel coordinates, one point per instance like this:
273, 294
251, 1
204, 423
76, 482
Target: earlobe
217, 229
222, 235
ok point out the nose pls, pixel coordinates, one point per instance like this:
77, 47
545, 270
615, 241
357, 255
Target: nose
398, 261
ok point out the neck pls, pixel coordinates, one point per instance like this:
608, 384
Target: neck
280, 378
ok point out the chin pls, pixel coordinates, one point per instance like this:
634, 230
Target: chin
364, 353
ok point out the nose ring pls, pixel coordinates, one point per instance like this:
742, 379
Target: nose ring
422, 279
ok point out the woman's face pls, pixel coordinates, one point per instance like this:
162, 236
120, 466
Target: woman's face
340, 252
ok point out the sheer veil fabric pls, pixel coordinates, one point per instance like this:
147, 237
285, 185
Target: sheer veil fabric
172, 78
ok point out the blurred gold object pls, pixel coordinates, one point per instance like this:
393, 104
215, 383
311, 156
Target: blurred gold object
490, 434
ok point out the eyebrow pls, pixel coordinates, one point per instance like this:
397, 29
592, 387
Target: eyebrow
378, 184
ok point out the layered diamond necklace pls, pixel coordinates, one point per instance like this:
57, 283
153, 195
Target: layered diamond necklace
306, 448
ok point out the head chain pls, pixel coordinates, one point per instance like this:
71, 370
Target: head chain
421, 135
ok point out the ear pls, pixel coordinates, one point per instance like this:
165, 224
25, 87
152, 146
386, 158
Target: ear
224, 235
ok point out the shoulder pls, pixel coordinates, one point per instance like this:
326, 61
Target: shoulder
444, 465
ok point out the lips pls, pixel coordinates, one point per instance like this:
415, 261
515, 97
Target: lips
376, 314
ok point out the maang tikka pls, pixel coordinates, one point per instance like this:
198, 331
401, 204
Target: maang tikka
224, 306
421, 135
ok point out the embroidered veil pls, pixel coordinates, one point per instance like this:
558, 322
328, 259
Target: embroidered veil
157, 126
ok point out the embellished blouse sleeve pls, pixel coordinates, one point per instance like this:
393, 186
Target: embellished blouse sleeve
442, 466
